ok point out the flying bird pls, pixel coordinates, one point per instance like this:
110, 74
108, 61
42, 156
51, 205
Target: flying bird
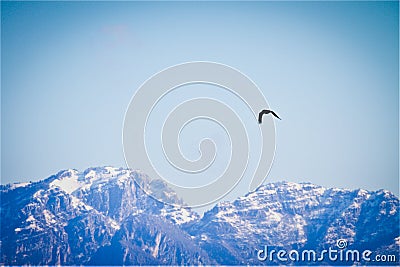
266, 111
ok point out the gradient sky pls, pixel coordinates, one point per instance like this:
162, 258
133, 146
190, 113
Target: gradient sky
330, 70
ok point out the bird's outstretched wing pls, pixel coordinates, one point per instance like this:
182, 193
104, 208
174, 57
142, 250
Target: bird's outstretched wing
273, 113
260, 116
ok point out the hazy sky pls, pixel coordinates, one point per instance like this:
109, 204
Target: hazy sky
330, 70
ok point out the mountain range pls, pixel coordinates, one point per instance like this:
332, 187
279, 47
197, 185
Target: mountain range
101, 216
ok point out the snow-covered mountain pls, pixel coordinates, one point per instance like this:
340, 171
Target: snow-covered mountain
298, 216
102, 217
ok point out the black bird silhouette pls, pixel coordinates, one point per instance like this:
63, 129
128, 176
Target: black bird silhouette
266, 111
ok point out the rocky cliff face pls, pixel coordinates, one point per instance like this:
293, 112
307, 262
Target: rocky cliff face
102, 217
298, 216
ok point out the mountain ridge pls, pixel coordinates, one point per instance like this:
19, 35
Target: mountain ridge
87, 217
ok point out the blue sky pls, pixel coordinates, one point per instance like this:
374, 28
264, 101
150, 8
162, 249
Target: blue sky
330, 70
